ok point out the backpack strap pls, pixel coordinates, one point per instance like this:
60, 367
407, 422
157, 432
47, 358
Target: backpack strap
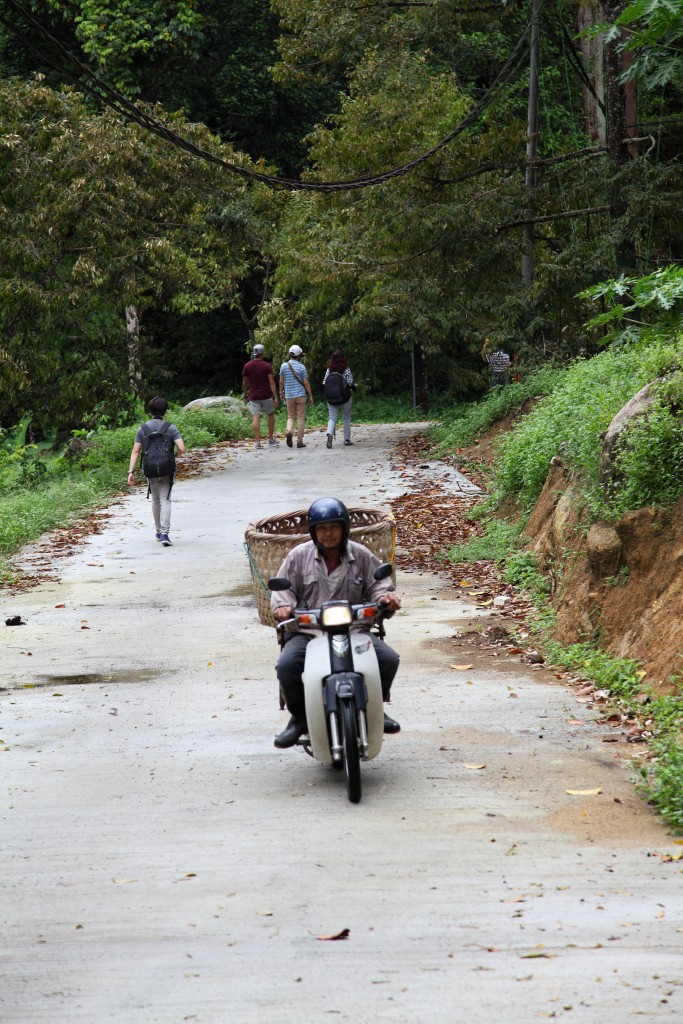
299, 379
147, 430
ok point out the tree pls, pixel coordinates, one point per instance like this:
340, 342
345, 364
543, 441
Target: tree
100, 216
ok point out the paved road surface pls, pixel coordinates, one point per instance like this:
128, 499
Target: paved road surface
162, 862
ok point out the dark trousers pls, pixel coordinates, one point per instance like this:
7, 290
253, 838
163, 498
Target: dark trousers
290, 667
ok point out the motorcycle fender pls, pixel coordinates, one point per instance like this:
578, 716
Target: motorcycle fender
316, 667
365, 662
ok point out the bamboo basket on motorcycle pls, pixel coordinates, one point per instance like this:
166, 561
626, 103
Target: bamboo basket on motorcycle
268, 541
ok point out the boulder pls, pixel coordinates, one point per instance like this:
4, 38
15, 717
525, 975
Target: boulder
228, 403
637, 406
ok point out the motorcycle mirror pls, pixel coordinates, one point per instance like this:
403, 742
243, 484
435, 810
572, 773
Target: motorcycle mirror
279, 583
382, 572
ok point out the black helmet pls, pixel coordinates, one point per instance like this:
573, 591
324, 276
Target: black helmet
329, 510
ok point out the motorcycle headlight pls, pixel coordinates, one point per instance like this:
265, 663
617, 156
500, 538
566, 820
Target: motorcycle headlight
335, 615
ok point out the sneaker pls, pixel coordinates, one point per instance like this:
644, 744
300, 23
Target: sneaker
300, 444
289, 438
273, 442
329, 440
158, 536
165, 540
258, 445
348, 442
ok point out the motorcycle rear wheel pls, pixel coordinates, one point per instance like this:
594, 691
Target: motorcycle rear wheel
350, 750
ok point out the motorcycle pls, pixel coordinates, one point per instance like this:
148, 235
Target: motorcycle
342, 686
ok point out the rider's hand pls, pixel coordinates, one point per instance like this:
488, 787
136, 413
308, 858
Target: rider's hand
282, 613
390, 604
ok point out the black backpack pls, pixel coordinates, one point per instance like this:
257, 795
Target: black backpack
158, 458
335, 389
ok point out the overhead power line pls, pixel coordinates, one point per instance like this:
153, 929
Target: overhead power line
85, 79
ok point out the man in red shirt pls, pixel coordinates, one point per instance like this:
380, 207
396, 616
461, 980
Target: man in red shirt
258, 386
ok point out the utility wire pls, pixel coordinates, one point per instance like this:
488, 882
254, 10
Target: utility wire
88, 81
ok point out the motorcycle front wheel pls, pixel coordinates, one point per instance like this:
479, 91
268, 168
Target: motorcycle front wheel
350, 750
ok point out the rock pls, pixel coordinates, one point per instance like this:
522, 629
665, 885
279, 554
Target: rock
535, 658
604, 550
562, 521
228, 403
637, 406
497, 633
501, 602
77, 448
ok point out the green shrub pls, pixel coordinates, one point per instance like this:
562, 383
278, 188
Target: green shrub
650, 459
492, 546
568, 422
461, 424
663, 779
199, 424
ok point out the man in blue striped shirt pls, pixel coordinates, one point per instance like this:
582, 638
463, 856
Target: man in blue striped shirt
294, 387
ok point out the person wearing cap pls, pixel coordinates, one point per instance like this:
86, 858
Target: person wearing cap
294, 387
258, 387
330, 566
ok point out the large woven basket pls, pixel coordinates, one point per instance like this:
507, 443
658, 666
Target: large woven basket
268, 541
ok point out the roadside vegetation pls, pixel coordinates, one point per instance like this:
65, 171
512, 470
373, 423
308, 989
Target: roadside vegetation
572, 410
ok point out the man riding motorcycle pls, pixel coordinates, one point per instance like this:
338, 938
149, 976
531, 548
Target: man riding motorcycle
328, 567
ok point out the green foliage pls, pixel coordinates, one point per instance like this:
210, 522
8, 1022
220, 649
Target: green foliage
493, 545
645, 309
649, 462
663, 779
462, 424
95, 221
569, 422
654, 35
522, 570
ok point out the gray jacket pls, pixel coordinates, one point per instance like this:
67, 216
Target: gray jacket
305, 568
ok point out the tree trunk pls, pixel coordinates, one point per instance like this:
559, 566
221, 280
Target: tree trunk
617, 131
421, 391
133, 333
591, 12
528, 263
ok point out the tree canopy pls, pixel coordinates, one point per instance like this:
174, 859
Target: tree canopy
102, 215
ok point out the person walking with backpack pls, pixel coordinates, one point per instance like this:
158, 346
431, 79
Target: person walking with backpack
158, 440
294, 387
337, 388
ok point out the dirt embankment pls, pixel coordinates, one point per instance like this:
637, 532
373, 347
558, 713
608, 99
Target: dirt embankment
620, 585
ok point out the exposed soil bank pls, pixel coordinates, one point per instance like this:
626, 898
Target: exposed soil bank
619, 585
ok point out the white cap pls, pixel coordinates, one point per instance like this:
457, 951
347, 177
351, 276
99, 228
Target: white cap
296, 350
258, 350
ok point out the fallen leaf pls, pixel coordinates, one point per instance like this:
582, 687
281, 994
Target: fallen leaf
465, 583
536, 956
474, 767
123, 881
584, 792
462, 668
343, 934
209, 664
60, 606
484, 604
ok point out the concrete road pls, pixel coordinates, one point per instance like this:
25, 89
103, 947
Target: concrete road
162, 862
